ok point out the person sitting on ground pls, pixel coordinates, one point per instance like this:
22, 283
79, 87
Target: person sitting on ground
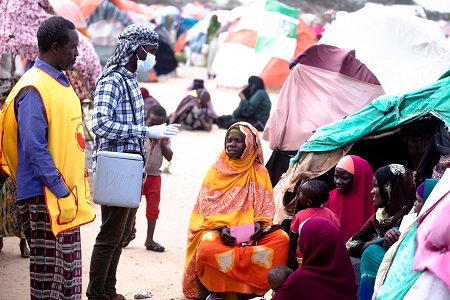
312, 194
276, 277
156, 150
195, 111
327, 272
149, 100
235, 194
393, 196
254, 107
351, 200
399, 276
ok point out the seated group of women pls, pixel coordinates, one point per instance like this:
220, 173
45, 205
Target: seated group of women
233, 245
196, 111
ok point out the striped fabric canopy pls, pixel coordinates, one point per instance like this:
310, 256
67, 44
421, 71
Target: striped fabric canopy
261, 41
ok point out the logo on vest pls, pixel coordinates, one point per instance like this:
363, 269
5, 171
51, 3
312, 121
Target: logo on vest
79, 136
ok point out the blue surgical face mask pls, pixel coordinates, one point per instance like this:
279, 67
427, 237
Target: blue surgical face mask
147, 64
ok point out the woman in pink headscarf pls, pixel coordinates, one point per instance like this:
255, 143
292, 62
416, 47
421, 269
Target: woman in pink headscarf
351, 200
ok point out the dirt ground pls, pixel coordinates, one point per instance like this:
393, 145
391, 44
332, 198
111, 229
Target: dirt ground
141, 270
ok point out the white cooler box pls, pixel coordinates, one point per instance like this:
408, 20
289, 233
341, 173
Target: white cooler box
118, 179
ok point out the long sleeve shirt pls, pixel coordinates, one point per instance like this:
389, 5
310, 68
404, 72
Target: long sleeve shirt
35, 168
112, 116
256, 108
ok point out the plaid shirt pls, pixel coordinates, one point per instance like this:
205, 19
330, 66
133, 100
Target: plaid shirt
112, 117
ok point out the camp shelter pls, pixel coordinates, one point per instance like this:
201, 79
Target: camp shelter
435, 5
391, 129
182, 26
326, 85
405, 52
72, 12
261, 42
193, 41
108, 18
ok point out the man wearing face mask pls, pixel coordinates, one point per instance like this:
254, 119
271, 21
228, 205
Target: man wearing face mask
113, 125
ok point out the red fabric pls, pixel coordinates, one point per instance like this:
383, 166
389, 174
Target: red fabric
327, 273
304, 215
152, 193
356, 206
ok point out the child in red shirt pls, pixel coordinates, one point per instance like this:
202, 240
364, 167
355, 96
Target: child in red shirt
311, 194
157, 149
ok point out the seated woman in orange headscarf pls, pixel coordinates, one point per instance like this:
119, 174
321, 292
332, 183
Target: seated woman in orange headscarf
236, 191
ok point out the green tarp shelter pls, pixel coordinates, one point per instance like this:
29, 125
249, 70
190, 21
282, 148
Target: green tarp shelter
391, 129
383, 113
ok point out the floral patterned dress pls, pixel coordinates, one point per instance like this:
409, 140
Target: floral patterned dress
9, 218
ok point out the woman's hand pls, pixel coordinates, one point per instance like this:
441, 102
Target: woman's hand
391, 237
258, 232
226, 237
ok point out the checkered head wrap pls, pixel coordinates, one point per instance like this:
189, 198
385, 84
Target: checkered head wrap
131, 38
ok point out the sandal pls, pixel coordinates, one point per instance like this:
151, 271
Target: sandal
131, 237
24, 251
156, 247
115, 297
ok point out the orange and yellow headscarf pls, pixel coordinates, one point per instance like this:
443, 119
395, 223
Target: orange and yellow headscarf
235, 191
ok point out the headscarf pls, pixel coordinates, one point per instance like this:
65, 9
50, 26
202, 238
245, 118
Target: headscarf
425, 188
355, 207
396, 187
347, 164
194, 98
145, 93
420, 189
442, 138
327, 272
131, 38
254, 83
233, 192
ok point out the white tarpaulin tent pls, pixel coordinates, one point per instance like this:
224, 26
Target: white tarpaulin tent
261, 42
442, 6
404, 52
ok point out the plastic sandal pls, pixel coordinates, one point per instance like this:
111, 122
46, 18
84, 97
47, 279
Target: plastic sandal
156, 247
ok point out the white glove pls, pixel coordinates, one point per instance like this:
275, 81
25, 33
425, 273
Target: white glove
163, 131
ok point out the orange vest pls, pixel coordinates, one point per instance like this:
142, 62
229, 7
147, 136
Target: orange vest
66, 145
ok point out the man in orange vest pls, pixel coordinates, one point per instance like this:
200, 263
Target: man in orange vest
43, 151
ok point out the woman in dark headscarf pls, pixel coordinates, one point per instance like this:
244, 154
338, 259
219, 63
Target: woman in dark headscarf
254, 107
393, 195
195, 111
327, 272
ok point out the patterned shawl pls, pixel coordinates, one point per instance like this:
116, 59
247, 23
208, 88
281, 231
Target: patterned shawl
396, 187
233, 192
